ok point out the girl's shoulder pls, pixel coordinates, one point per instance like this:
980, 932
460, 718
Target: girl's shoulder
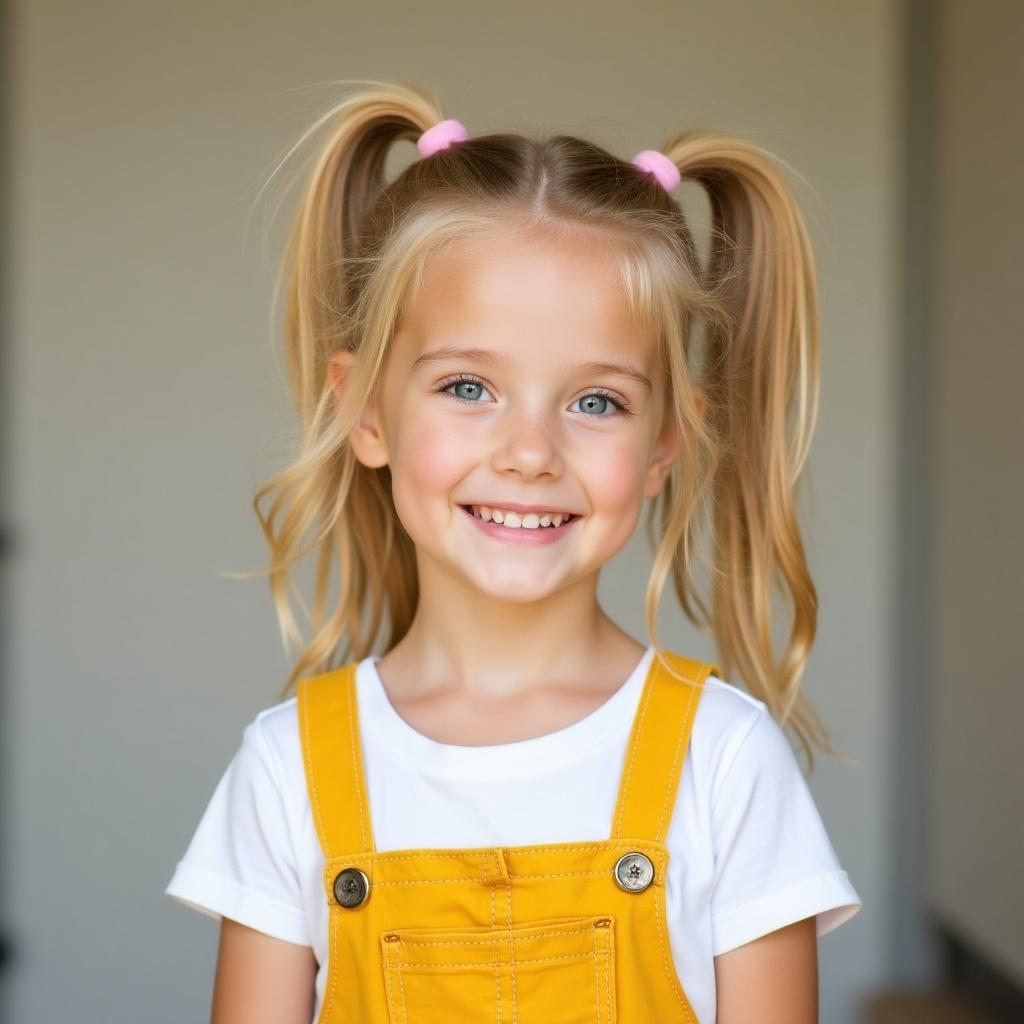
274, 732
726, 716
727, 704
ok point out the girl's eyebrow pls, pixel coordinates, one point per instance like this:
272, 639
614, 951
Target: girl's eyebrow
484, 355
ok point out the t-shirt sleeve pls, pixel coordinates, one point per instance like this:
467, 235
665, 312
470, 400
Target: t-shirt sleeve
774, 863
240, 863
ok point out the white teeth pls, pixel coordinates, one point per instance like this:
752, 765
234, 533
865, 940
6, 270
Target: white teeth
515, 521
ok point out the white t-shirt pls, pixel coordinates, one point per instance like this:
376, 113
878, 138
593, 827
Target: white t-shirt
748, 851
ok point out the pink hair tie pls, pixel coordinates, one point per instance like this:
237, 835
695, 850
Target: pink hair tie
441, 136
653, 162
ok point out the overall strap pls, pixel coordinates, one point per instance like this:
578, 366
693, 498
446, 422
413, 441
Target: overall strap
657, 747
333, 758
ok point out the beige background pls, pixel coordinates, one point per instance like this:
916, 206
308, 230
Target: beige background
145, 401
975, 836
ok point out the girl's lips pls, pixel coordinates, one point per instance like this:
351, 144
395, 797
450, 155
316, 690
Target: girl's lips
542, 535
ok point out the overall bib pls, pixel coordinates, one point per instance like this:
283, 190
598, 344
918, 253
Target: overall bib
561, 933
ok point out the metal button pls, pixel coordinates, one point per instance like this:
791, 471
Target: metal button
351, 887
634, 872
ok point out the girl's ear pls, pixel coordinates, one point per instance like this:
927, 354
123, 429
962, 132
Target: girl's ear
666, 450
366, 438
662, 459
702, 401
338, 367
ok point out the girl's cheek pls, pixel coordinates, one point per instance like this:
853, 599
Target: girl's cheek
434, 454
618, 476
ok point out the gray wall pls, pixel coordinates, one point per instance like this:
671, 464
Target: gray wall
975, 770
148, 402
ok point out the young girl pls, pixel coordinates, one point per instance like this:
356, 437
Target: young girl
519, 813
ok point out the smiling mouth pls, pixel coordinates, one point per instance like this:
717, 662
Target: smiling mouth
570, 518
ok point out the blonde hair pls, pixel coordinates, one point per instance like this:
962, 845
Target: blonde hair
357, 244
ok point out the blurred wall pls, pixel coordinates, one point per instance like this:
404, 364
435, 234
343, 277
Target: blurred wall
148, 402
975, 541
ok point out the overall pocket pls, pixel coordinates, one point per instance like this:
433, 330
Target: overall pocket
555, 971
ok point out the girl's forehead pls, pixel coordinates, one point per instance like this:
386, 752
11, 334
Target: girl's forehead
572, 254
522, 344
522, 279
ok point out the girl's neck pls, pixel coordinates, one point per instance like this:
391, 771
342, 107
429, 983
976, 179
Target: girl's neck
489, 703
470, 665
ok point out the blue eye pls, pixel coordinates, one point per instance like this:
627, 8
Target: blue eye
463, 380
604, 397
599, 393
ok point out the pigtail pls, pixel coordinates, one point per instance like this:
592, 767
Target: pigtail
760, 375
322, 254
325, 490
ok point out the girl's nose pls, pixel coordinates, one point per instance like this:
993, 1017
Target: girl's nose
529, 445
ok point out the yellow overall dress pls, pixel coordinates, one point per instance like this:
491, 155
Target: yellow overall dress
561, 933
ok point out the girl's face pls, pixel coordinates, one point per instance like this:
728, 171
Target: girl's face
516, 377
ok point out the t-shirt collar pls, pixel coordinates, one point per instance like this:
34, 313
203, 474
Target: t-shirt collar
535, 755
